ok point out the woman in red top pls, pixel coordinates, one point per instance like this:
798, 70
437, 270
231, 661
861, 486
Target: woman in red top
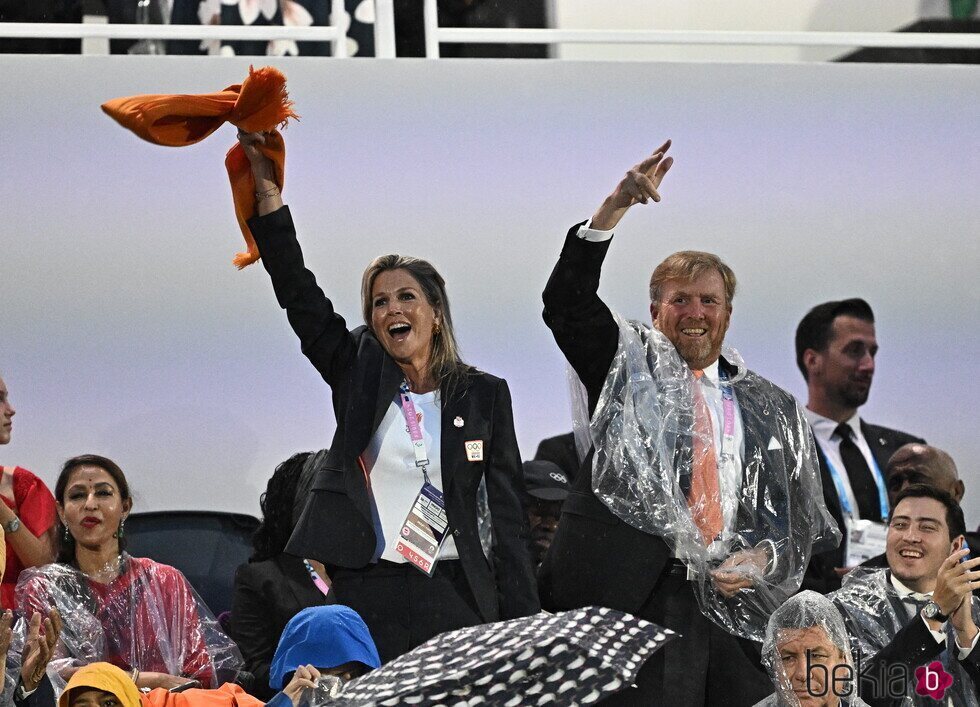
137, 614
26, 514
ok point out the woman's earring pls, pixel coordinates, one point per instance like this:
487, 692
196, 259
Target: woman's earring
67, 535
436, 328
122, 529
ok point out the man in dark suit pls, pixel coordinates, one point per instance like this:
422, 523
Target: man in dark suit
922, 464
918, 610
706, 504
835, 351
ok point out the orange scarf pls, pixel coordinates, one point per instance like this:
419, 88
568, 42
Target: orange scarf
258, 104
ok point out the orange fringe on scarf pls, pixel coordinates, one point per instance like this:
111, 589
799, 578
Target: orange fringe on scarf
258, 104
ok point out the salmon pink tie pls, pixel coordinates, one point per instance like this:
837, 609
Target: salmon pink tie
704, 498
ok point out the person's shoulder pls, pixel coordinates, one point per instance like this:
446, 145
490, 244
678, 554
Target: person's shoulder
156, 570
888, 435
249, 572
768, 388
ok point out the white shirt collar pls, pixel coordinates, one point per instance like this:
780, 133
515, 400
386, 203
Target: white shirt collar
824, 427
904, 592
711, 374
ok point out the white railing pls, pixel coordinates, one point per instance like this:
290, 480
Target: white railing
335, 33
384, 34
435, 35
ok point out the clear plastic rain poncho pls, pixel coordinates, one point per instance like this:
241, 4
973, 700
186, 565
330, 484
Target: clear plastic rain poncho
874, 614
148, 617
808, 622
769, 491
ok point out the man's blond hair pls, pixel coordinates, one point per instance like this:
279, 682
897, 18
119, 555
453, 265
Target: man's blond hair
690, 265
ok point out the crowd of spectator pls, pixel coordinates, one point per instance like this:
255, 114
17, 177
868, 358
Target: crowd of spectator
705, 499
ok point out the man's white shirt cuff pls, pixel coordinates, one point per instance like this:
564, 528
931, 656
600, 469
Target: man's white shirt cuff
593, 235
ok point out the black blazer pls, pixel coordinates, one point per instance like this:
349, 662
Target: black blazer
913, 645
267, 595
336, 526
820, 575
43, 696
596, 558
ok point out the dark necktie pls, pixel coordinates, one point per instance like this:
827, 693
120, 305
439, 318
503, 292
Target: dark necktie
862, 482
915, 605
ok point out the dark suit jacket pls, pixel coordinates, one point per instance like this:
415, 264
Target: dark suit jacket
820, 575
336, 526
267, 595
43, 696
912, 646
596, 558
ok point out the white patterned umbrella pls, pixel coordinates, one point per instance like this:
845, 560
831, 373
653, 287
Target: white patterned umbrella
571, 658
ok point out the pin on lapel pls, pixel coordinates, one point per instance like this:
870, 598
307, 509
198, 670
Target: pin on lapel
457, 421
882, 441
474, 450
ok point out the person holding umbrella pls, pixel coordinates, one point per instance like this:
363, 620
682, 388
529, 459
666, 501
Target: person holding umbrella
416, 513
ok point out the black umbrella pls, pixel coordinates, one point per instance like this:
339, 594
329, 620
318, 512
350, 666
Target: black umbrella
575, 657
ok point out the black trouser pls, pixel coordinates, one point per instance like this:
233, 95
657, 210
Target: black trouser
704, 665
402, 607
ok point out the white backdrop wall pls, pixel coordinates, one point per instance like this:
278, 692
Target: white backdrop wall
125, 330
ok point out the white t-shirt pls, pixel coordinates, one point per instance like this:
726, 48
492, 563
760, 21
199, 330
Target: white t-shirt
395, 480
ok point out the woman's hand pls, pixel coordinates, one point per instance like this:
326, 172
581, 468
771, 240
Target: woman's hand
6, 634
165, 680
304, 677
267, 194
39, 648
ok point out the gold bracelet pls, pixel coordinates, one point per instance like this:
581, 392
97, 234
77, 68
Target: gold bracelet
268, 194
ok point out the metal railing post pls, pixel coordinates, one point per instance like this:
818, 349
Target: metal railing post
339, 19
384, 29
430, 19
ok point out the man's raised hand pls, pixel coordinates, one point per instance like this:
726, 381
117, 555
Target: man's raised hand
639, 186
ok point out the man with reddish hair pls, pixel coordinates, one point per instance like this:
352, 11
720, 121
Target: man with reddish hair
700, 500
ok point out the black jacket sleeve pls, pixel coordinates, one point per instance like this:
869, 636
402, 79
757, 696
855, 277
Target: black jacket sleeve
43, 696
913, 646
323, 333
516, 587
253, 626
580, 321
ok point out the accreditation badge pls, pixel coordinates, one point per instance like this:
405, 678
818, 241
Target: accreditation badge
865, 539
424, 530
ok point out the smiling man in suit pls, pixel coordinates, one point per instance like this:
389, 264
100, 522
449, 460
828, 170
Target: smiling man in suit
697, 506
835, 351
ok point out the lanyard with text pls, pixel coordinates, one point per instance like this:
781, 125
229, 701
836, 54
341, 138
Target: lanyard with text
728, 426
845, 502
414, 431
425, 529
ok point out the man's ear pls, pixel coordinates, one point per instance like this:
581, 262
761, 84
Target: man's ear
654, 309
958, 491
957, 544
811, 359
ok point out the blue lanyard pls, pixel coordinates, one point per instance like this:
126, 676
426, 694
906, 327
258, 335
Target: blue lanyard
845, 502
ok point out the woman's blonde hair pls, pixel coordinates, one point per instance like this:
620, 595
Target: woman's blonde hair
445, 365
